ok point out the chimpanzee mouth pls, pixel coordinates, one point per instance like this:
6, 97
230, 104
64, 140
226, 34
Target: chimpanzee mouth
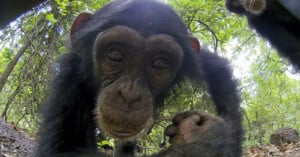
123, 134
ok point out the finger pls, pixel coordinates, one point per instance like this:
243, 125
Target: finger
170, 131
180, 116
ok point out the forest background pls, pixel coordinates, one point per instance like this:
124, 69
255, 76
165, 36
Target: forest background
269, 86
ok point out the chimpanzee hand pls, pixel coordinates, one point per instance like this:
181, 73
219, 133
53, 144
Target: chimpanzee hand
196, 133
192, 126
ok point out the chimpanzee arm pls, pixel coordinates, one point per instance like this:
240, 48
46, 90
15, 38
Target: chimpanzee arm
223, 90
194, 133
68, 122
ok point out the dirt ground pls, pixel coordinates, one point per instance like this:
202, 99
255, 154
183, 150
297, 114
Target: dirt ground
285, 150
14, 143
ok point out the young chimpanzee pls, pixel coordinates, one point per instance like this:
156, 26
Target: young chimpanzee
276, 20
125, 58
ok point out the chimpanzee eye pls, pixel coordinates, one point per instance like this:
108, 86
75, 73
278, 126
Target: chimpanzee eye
160, 63
115, 54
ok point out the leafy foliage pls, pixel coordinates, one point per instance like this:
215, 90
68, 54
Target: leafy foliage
270, 89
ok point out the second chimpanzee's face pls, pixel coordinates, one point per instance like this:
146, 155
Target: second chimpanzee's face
131, 70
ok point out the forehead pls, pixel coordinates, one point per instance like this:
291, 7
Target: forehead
146, 17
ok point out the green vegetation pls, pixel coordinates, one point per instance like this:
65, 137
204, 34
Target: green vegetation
269, 86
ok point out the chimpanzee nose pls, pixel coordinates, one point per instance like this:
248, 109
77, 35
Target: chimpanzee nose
130, 92
129, 97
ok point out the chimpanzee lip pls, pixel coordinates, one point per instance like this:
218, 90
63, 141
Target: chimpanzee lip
120, 133
123, 134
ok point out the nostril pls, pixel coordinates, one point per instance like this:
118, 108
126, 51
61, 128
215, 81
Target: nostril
139, 97
120, 94
129, 97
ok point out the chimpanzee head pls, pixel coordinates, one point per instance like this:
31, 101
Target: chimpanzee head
137, 50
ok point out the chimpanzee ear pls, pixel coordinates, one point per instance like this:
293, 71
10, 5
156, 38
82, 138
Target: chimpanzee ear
195, 44
79, 20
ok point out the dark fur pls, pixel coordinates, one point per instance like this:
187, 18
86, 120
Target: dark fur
223, 90
277, 25
68, 126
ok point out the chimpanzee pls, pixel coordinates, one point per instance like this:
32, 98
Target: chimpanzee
276, 20
124, 59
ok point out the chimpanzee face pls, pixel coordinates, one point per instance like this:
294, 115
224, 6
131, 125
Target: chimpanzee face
131, 70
